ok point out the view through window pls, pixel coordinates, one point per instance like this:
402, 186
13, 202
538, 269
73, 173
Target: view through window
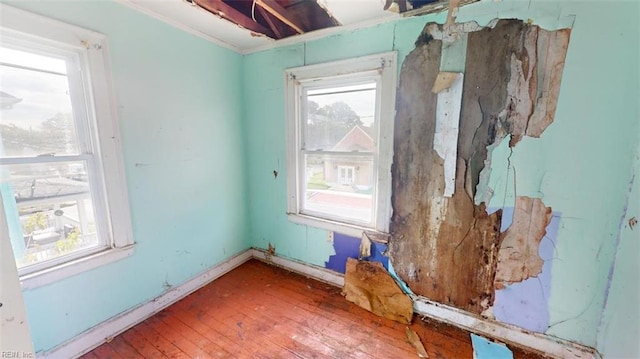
46, 158
339, 152
340, 138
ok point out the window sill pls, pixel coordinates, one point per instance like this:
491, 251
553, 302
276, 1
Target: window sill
50, 275
339, 227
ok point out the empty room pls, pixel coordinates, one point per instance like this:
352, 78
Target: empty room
320, 179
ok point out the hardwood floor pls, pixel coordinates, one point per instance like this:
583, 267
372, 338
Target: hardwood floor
261, 311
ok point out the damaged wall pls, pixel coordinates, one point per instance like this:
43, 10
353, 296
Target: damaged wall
445, 247
620, 325
579, 166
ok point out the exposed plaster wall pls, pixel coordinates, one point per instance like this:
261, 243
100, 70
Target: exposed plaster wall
445, 247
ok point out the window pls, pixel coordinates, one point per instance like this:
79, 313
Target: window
340, 137
61, 180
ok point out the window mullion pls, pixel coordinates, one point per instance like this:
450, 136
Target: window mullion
338, 153
44, 159
80, 100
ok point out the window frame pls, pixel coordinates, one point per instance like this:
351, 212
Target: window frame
344, 72
98, 121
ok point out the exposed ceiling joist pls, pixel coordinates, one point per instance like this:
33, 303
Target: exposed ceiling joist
225, 11
281, 13
267, 17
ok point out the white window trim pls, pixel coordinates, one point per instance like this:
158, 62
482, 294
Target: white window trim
386, 64
109, 155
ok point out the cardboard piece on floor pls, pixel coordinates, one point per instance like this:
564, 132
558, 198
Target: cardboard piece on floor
369, 285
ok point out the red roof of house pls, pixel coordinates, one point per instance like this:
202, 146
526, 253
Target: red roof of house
357, 139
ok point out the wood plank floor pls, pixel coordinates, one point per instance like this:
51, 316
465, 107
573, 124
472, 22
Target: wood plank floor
261, 311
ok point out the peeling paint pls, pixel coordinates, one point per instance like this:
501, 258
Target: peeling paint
526, 304
349, 247
443, 248
449, 92
502, 97
486, 349
446, 248
518, 257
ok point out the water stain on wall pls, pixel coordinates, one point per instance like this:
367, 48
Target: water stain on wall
447, 248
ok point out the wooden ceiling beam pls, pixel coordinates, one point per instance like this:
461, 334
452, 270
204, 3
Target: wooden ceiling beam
281, 14
223, 10
402, 4
274, 27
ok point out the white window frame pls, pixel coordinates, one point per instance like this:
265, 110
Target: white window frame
383, 68
101, 126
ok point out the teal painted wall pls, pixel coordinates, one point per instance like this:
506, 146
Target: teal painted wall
620, 328
579, 167
179, 107
203, 129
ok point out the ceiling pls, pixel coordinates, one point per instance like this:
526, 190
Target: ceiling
230, 23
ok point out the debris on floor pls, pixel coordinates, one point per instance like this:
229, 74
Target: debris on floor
414, 339
369, 285
486, 349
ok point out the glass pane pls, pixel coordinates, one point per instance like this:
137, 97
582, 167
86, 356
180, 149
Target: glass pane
339, 187
341, 118
35, 106
35, 61
49, 210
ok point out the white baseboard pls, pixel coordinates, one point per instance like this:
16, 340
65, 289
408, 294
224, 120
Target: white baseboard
97, 335
549, 345
318, 273
546, 344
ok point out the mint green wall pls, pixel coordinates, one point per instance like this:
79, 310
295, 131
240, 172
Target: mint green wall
620, 328
580, 167
179, 106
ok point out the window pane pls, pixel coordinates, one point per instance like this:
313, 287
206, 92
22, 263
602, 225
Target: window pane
341, 118
339, 187
31, 60
49, 210
36, 117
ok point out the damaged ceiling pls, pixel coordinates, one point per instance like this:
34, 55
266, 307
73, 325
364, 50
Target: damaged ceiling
276, 19
249, 25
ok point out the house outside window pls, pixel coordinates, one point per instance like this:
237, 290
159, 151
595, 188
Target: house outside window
340, 136
346, 175
61, 179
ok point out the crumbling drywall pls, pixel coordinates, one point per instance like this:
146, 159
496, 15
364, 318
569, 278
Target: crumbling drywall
447, 248
518, 257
